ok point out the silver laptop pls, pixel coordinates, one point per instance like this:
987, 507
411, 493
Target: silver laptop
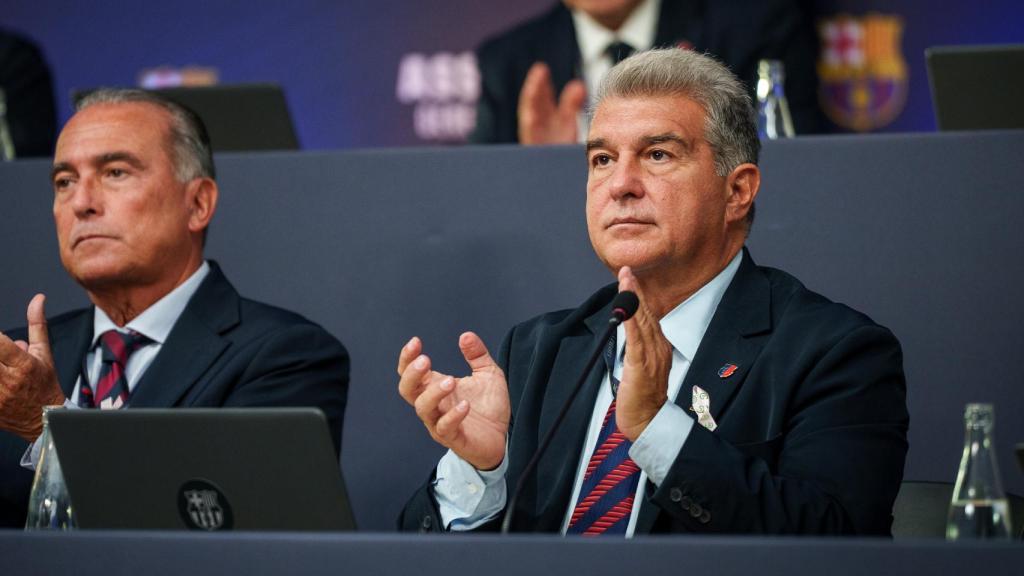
977, 87
201, 469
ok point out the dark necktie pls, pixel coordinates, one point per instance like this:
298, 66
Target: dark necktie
619, 51
110, 390
609, 483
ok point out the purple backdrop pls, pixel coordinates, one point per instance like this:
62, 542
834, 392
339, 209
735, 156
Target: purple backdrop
339, 61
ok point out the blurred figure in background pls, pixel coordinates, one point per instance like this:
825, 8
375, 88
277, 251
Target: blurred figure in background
28, 113
538, 77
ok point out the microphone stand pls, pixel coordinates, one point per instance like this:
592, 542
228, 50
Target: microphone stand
623, 307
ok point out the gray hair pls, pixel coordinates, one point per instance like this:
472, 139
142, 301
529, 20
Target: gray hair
730, 126
190, 143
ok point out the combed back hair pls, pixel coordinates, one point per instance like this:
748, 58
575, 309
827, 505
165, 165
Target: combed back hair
730, 125
190, 143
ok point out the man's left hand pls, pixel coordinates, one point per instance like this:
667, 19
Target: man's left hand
28, 379
644, 386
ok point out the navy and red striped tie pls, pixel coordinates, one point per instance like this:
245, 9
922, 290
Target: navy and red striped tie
111, 388
609, 483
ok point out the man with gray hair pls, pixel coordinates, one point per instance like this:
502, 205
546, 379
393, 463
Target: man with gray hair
133, 196
735, 400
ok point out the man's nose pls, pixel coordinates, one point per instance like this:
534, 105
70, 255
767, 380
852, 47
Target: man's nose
626, 180
86, 198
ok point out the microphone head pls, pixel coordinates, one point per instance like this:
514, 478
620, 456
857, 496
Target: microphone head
624, 305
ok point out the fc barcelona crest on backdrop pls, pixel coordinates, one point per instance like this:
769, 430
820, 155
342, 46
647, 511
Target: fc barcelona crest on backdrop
862, 70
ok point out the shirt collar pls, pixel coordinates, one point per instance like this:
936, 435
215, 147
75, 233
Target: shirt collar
156, 321
638, 30
685, 325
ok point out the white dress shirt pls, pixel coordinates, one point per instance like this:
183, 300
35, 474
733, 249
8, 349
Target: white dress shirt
468, 497
154, 322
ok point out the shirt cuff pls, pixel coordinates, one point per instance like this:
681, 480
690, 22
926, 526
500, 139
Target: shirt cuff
467, 497
659, 444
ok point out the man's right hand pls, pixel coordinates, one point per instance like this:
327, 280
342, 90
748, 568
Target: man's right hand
28, 379
468, 415
542, 120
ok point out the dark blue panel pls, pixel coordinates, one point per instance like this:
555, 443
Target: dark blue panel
154, 554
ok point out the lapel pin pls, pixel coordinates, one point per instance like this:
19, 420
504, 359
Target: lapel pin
701, 404
727, 370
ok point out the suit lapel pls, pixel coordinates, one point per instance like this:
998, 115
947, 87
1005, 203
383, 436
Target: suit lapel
559, 462
745, 311
193, 345
69, 348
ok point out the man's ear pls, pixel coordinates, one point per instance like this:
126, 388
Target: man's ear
742, 185
202, 199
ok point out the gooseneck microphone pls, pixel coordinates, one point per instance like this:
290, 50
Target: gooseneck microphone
624, 305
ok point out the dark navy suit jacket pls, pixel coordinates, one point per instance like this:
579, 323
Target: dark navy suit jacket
737, 32
812, 426
224, 350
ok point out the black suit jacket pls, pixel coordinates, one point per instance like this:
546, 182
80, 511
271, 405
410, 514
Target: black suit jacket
811, 435
737, 32
224, 350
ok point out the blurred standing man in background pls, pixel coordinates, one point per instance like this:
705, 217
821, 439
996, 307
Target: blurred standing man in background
735, 400
134, 194
537, 78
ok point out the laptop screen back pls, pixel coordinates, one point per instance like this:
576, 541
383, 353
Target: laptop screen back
977, 87
240, 117
201, 469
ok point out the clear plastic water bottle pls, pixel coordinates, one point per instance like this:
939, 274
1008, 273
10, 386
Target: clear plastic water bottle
979, 509
773, 119
49, 506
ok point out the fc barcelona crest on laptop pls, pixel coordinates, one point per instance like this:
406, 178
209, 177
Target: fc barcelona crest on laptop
862, 70
203, 506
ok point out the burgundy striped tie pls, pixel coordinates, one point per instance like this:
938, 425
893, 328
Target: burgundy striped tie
610, 481
111, 388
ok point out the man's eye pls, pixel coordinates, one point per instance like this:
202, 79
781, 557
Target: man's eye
61, 183
601, 160
658, 155
116, 173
